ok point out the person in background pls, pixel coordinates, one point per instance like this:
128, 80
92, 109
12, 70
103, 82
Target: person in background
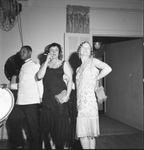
87, 74
28, 98
55, 119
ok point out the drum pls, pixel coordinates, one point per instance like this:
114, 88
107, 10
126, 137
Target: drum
6, 103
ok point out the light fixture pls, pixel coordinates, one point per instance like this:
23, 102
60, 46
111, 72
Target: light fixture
9, 10
97, 45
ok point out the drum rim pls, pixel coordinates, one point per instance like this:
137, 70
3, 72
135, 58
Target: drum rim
12, 105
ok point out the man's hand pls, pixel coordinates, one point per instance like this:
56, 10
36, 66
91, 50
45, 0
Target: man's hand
3, 86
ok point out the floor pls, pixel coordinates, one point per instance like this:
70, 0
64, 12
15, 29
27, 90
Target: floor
114, 135
117, 135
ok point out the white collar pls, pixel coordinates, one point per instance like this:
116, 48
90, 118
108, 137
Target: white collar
28, 60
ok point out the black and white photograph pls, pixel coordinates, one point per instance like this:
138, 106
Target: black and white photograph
71, 74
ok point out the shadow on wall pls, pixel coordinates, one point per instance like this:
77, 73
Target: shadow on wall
42, 58
75, 62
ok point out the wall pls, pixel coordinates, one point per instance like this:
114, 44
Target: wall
44, 21
124, 85
1, 53
119, 18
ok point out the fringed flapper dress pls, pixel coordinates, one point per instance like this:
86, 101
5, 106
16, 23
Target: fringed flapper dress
55, 121
87, 119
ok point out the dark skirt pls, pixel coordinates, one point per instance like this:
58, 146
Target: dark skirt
56, 126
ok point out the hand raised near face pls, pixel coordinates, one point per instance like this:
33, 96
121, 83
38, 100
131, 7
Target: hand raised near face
49, 58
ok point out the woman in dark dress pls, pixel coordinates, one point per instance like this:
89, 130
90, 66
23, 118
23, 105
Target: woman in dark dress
55, 120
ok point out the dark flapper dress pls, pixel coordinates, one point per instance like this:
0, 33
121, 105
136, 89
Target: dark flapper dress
55, 120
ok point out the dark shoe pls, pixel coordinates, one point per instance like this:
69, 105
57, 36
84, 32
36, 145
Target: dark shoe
15, 148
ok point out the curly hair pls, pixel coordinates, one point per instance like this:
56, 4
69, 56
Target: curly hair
47, 49
79, 48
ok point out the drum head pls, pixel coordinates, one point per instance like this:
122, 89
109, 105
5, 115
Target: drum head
6, 103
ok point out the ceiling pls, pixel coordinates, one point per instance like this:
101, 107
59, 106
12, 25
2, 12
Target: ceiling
105, 39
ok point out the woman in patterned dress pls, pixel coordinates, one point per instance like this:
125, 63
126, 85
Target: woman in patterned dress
87, 124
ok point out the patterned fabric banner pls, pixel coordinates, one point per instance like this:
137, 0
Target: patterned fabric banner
77, 19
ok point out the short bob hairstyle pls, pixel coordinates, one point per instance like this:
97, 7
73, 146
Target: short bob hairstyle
79, 48
47, 49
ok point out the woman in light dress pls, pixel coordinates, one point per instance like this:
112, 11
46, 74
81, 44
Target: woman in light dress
87, 122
